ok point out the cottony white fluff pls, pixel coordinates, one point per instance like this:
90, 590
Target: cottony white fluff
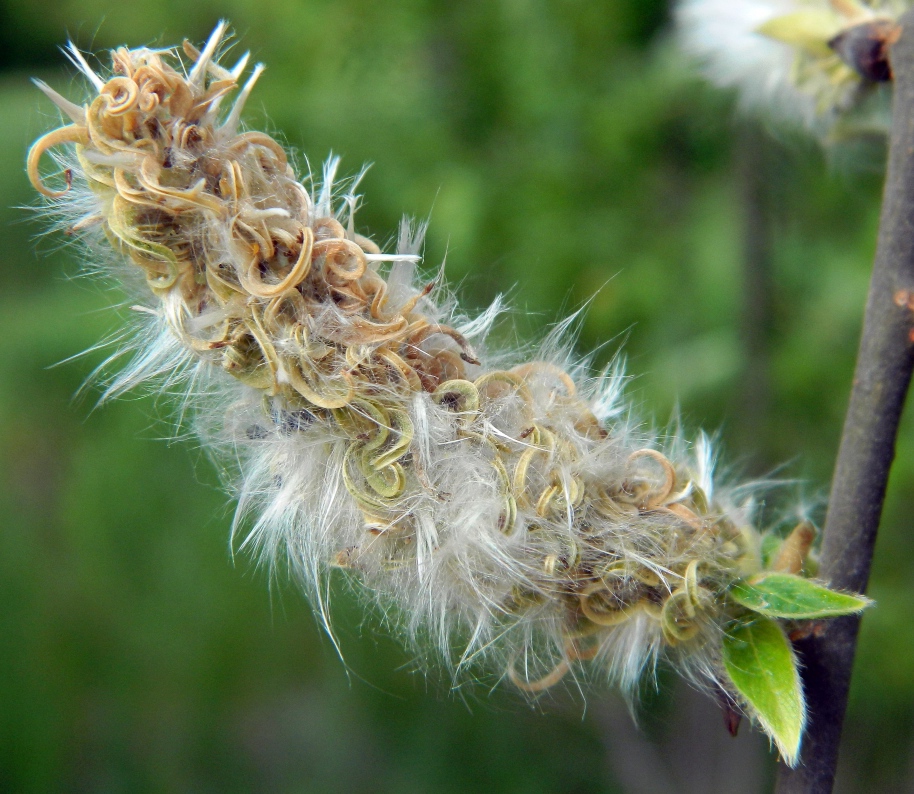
801, 83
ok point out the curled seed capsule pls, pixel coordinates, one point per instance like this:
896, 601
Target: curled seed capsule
343, 260
500, 384
612, 570
251, 278
243, 359
680, 618
647, 576
364, 421
565, 558
325, 228
521, 479
543, 370
571, 493
659, 493
322, 392
460, 396
285, 314
576, 653
122, 94
354, 479
543, 504
74, 133
387, 482
398, 365
402, 426
602, 606
217, 337
690, 582
122, 225
541, 684
508, 518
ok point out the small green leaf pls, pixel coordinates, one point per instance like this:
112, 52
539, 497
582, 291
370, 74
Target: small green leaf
783, 595
810, 30
763, 669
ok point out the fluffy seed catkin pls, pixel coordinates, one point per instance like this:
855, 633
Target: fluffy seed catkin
806, 62
500, 509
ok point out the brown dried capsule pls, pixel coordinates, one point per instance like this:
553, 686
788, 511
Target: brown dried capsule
865, 48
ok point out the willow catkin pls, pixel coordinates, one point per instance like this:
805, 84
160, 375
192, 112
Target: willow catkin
813, 63
501, 510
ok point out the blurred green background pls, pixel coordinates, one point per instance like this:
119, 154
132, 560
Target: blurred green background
565, 153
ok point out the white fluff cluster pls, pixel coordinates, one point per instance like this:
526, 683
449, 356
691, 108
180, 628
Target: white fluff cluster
499, 508
779, 55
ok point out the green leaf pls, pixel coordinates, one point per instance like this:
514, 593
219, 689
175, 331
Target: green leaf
810, 30
763, 669
784, 595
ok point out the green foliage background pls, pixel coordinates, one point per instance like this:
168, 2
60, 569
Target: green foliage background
565, 153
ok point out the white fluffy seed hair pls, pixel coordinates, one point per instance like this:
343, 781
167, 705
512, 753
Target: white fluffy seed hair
458, 586
722, 36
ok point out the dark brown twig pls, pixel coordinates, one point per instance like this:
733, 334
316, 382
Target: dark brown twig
883, 373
